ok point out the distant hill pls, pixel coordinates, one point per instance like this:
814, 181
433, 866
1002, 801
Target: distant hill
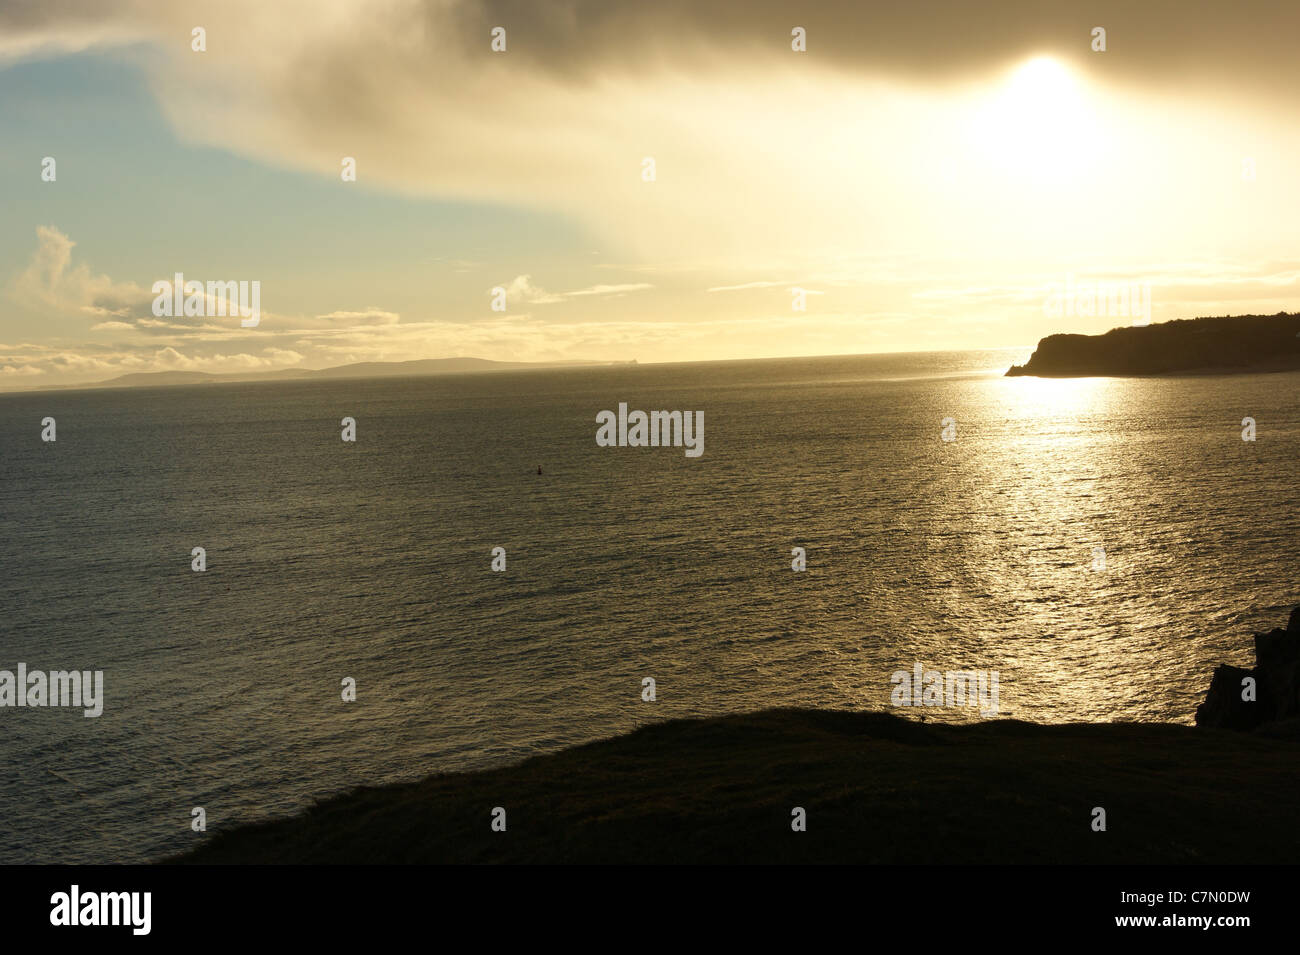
434, 366
1186, 346
364, 369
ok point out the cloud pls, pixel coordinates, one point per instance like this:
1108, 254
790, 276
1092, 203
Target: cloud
747, 285
49, 264
522, 289
758, 150
51, 281
1248, 41
60, 27
170, 359
608, 290
370, 316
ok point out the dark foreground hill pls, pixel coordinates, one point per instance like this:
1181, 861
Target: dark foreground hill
1192, 346
877, 788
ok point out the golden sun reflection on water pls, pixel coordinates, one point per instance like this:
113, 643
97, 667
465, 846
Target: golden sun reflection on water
1061, 398
1053, 475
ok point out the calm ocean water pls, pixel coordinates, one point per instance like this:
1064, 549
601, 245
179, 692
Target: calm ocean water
329, 560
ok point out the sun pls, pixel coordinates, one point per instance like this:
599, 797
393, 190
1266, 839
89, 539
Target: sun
1037, 120
1041, 84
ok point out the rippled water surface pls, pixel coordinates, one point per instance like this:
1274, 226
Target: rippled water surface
329, 560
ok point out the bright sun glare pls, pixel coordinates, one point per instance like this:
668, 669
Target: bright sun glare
1038, 121
1041, 83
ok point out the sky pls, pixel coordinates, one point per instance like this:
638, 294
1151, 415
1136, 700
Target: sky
672, 181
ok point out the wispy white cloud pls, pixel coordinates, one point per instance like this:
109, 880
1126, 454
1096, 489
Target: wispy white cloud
522, 288
607, 290
369, 316
745, 286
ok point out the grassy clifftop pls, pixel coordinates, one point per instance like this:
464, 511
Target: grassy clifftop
876, 788
1200, 345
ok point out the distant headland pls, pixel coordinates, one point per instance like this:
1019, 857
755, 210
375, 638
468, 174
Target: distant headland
365, 369
1233, 344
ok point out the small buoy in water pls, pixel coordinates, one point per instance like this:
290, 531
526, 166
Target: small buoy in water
539, 469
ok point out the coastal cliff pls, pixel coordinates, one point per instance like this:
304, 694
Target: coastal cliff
876, 788
1187, 346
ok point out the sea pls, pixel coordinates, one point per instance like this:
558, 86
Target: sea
1101, 544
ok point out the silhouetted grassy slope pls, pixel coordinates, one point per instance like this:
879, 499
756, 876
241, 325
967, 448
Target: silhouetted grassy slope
877, 788
1240, 343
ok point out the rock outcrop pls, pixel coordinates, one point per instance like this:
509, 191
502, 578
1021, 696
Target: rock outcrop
1275, 699
1242, 343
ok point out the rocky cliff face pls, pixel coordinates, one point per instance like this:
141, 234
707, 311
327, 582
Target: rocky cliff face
1266, 698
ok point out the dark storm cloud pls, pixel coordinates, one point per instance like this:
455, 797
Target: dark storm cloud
1248, 42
